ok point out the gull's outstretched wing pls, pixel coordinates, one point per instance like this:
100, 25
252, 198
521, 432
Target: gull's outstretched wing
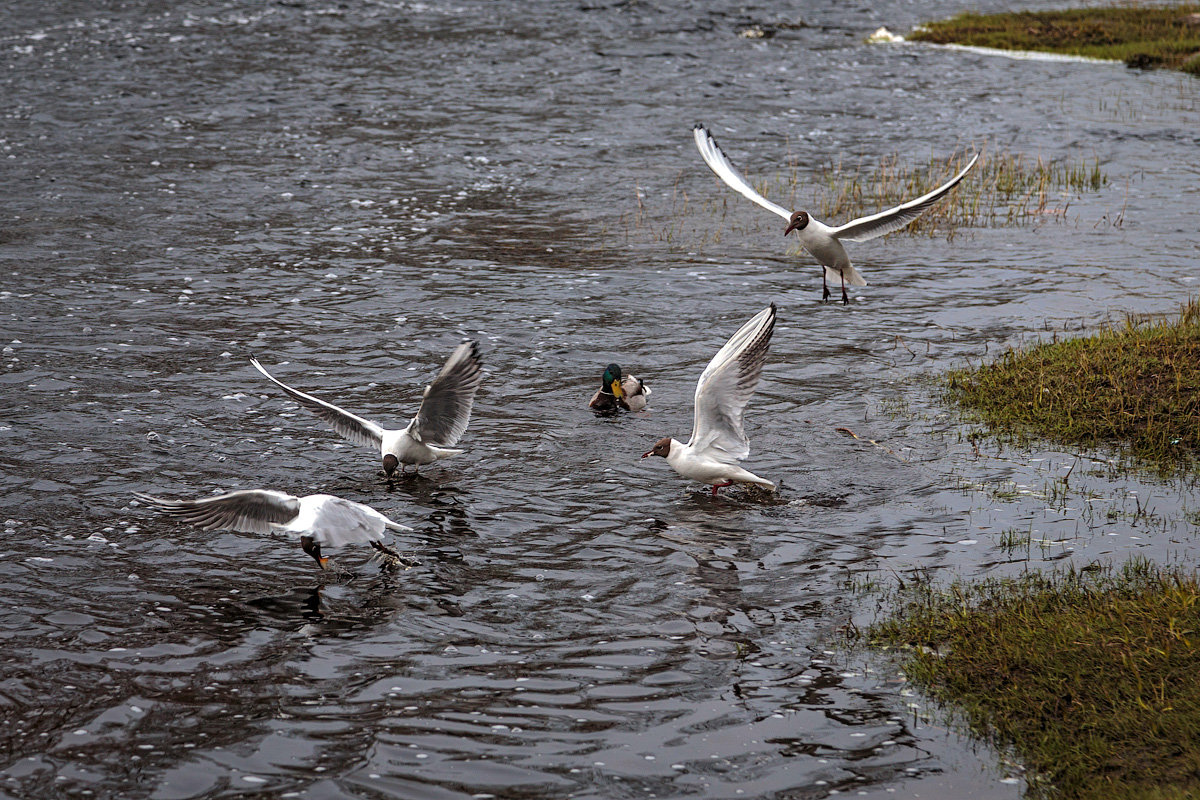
337, 521
446, 407
719, 163
864, 228
247, 511
350, 426
725, 388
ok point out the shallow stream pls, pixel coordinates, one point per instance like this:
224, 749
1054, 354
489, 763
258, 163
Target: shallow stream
347, 190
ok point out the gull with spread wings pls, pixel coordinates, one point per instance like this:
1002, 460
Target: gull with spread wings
718, 437
439, 424
319, 520
821, 241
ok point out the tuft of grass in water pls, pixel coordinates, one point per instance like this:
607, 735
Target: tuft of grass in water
1136, 387
1090, 675
1003, 189
1141, 36
1015, 539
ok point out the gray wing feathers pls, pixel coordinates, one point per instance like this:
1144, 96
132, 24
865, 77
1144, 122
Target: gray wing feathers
247, 511
339, 522
725, 387
719, 163
865, 228
446, 408
345, 424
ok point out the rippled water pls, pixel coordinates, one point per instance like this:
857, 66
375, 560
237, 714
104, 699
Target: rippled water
349, 189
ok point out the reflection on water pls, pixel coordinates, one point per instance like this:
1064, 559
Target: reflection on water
355, 189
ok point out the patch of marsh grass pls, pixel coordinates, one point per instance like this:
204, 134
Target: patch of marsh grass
1141, 36
1089, 675
1003, 190
1135, 387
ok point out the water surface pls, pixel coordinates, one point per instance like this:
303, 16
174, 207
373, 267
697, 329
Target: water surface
347, 190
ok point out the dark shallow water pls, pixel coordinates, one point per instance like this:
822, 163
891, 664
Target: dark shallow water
347, 190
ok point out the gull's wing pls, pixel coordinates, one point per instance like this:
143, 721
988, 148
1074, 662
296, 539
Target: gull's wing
725, 387
248, 511
719, 163
864, 228
446, 407
354, 428
337, 521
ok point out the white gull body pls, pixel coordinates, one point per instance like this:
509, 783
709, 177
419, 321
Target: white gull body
318, 520
823, 242
440, 421
718, 436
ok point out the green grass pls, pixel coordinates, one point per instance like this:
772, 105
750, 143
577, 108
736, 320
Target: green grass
1134, 387
1090, 677
1141, 36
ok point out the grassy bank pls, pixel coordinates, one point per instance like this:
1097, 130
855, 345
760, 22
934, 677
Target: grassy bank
1135, 387
1141, 36
1089, 677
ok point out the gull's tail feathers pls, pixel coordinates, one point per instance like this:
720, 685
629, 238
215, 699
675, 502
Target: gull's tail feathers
853, 276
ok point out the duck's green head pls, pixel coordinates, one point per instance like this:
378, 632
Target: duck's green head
612, 380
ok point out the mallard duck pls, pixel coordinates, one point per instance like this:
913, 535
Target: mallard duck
617, 391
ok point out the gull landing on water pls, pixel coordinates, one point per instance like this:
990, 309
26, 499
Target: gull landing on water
821, 241
718, 437
439, 424
319, 520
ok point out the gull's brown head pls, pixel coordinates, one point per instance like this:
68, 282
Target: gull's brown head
661, 448
390, 462
798, 223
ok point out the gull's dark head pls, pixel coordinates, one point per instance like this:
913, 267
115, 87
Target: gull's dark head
390, 462
661, 448
798, 223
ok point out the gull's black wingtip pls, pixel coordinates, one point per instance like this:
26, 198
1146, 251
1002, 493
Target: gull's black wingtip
701, 128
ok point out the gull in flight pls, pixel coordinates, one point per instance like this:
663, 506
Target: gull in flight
821, 241
718, 438
319, 520
439, 424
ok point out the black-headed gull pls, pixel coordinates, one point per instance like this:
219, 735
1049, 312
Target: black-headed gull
718, 438
439, 424
821, 241
319, 520
619, 391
